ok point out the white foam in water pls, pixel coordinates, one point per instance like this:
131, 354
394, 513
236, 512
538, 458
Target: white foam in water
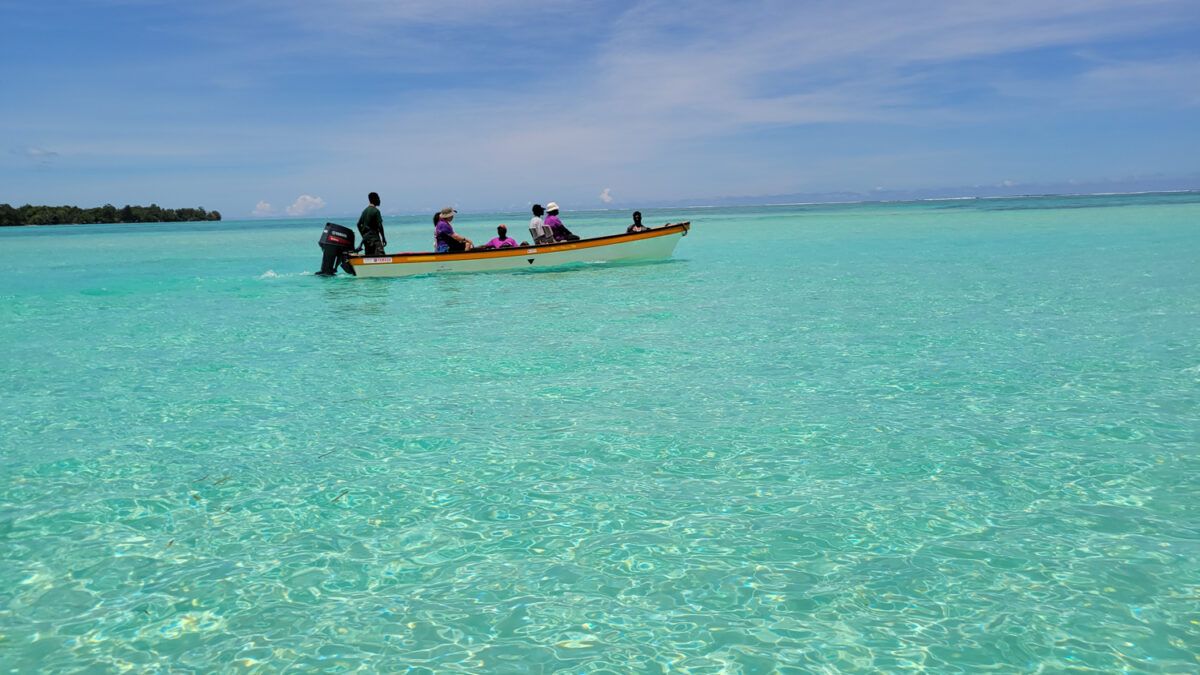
272, 274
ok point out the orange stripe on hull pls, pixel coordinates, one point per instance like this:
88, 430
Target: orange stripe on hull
401, 258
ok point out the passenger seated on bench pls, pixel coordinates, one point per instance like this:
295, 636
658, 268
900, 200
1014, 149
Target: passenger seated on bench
637, 225
502, 240
538, 229
444, 238
561, 233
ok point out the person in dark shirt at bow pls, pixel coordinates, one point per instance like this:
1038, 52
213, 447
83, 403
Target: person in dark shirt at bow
637, 225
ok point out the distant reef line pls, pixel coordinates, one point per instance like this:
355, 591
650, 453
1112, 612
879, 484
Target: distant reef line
74, 215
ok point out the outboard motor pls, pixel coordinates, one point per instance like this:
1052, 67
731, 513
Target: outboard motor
336, 243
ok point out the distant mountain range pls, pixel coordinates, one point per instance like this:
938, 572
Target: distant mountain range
1149, 184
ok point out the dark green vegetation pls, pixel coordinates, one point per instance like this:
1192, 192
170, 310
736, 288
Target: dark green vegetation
62, 215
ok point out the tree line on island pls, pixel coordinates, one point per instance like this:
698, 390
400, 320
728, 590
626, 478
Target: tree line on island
73, 215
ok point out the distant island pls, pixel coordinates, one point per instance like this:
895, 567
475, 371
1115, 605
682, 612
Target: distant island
73, 215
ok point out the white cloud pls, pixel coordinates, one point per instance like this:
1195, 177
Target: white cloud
305, 204
653, 96
39, 155
1113, 84
667, 82
606, 196
721, 68
353, 16
1136, 82
262, 208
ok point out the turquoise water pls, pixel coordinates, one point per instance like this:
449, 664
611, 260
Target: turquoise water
945, 435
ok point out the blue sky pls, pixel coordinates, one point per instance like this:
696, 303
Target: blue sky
272, 107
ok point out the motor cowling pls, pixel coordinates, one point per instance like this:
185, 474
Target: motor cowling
336, 243
337, 238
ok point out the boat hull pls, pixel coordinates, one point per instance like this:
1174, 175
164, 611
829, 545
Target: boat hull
654, 244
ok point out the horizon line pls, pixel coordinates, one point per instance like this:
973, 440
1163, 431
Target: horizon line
755, 204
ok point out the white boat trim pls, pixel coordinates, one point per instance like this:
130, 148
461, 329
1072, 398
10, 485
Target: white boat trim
653, 244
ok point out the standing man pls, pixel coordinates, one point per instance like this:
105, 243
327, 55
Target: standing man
370, 226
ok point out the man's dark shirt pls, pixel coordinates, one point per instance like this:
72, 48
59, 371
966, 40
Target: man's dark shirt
370, 226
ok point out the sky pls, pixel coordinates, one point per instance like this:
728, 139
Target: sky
278, 108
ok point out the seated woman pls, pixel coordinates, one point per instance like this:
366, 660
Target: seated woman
561, 233
502, 240
445, 239
637, 225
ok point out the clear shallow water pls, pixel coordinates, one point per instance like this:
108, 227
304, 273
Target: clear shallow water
950, 435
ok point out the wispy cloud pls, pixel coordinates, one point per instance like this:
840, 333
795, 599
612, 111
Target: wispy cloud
606, 196
721, 66
664, 78
262, 208
1161, 81
1112, 84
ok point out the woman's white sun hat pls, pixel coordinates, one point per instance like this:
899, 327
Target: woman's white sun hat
552, 206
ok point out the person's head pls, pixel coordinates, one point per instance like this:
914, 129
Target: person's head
447, 214
552, 208
373, 198
637, 217
502, 231
538, 210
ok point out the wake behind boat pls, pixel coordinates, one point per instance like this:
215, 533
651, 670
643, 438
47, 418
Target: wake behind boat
653, 244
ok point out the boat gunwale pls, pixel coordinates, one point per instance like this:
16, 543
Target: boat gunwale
513, 251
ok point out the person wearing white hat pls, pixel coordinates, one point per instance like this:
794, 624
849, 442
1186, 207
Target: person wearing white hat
560, 231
